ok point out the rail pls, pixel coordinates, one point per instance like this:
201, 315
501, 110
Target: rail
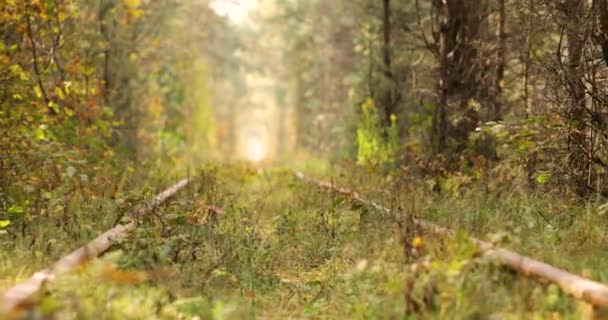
19, 297
592, 292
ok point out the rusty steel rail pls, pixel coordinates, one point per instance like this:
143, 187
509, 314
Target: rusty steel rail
19, 297
592, 292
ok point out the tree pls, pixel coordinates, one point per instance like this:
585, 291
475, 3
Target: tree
574, 13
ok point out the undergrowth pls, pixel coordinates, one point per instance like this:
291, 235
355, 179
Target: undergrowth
281, 248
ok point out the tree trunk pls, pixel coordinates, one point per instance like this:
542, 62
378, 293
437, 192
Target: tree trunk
389, 98
501, 60
601, 10
103, 30
525, 57
579, 164
439, 130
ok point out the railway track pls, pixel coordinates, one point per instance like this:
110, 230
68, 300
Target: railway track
21, 297
589, 291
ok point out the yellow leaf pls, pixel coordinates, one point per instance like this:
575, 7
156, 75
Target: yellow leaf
417, 242
38, 91
59, 93
66, 86
54, 106
132, 4
39, 134
137, 13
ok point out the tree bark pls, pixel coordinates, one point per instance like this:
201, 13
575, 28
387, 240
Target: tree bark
501, 60
37, 70
439, 125
601, 7
389, 102
103, 30
579, 164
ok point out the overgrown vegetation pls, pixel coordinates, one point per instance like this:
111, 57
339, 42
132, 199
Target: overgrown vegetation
484, 117
306, 253
377, 145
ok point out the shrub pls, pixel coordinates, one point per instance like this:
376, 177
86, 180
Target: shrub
376, 145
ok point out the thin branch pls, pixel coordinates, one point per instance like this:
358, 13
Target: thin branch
35, 57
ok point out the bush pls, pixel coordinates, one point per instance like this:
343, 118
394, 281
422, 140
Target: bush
376, 145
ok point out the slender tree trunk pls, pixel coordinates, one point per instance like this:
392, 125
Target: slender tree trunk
439, 130
502, 59
103, 30
526, 58
37, 70
439, 124
601, 10
441, 111
389, 99
300, 123
579, 164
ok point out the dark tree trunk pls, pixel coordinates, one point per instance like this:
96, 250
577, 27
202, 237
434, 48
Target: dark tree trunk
388, 101
502, 60
601, 9
439, 129
577, 144
103, 30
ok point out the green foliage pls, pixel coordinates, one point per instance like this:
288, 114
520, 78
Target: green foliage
443, 285
304, 253
80, 105
111, 297
101, 100
377, 145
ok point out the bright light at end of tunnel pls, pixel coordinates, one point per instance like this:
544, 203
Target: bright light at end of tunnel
255, 149
235, 10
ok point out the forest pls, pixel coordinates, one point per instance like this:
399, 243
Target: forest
295, 159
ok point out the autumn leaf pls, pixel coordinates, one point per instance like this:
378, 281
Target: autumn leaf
132, 4
39, 134
54, 106
417, 242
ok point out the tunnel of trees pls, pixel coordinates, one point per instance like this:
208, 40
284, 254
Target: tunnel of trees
453, 84
103, 101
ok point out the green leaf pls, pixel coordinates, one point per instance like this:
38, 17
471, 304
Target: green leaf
543, 178
19, 72
54, 106
15, 209
39, 134
4, 223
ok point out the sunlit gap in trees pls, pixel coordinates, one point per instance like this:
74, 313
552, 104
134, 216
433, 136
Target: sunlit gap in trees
253, 144
236, 10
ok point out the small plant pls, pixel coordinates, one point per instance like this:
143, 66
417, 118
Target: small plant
377, 145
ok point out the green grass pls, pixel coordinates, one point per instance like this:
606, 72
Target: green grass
284, 249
